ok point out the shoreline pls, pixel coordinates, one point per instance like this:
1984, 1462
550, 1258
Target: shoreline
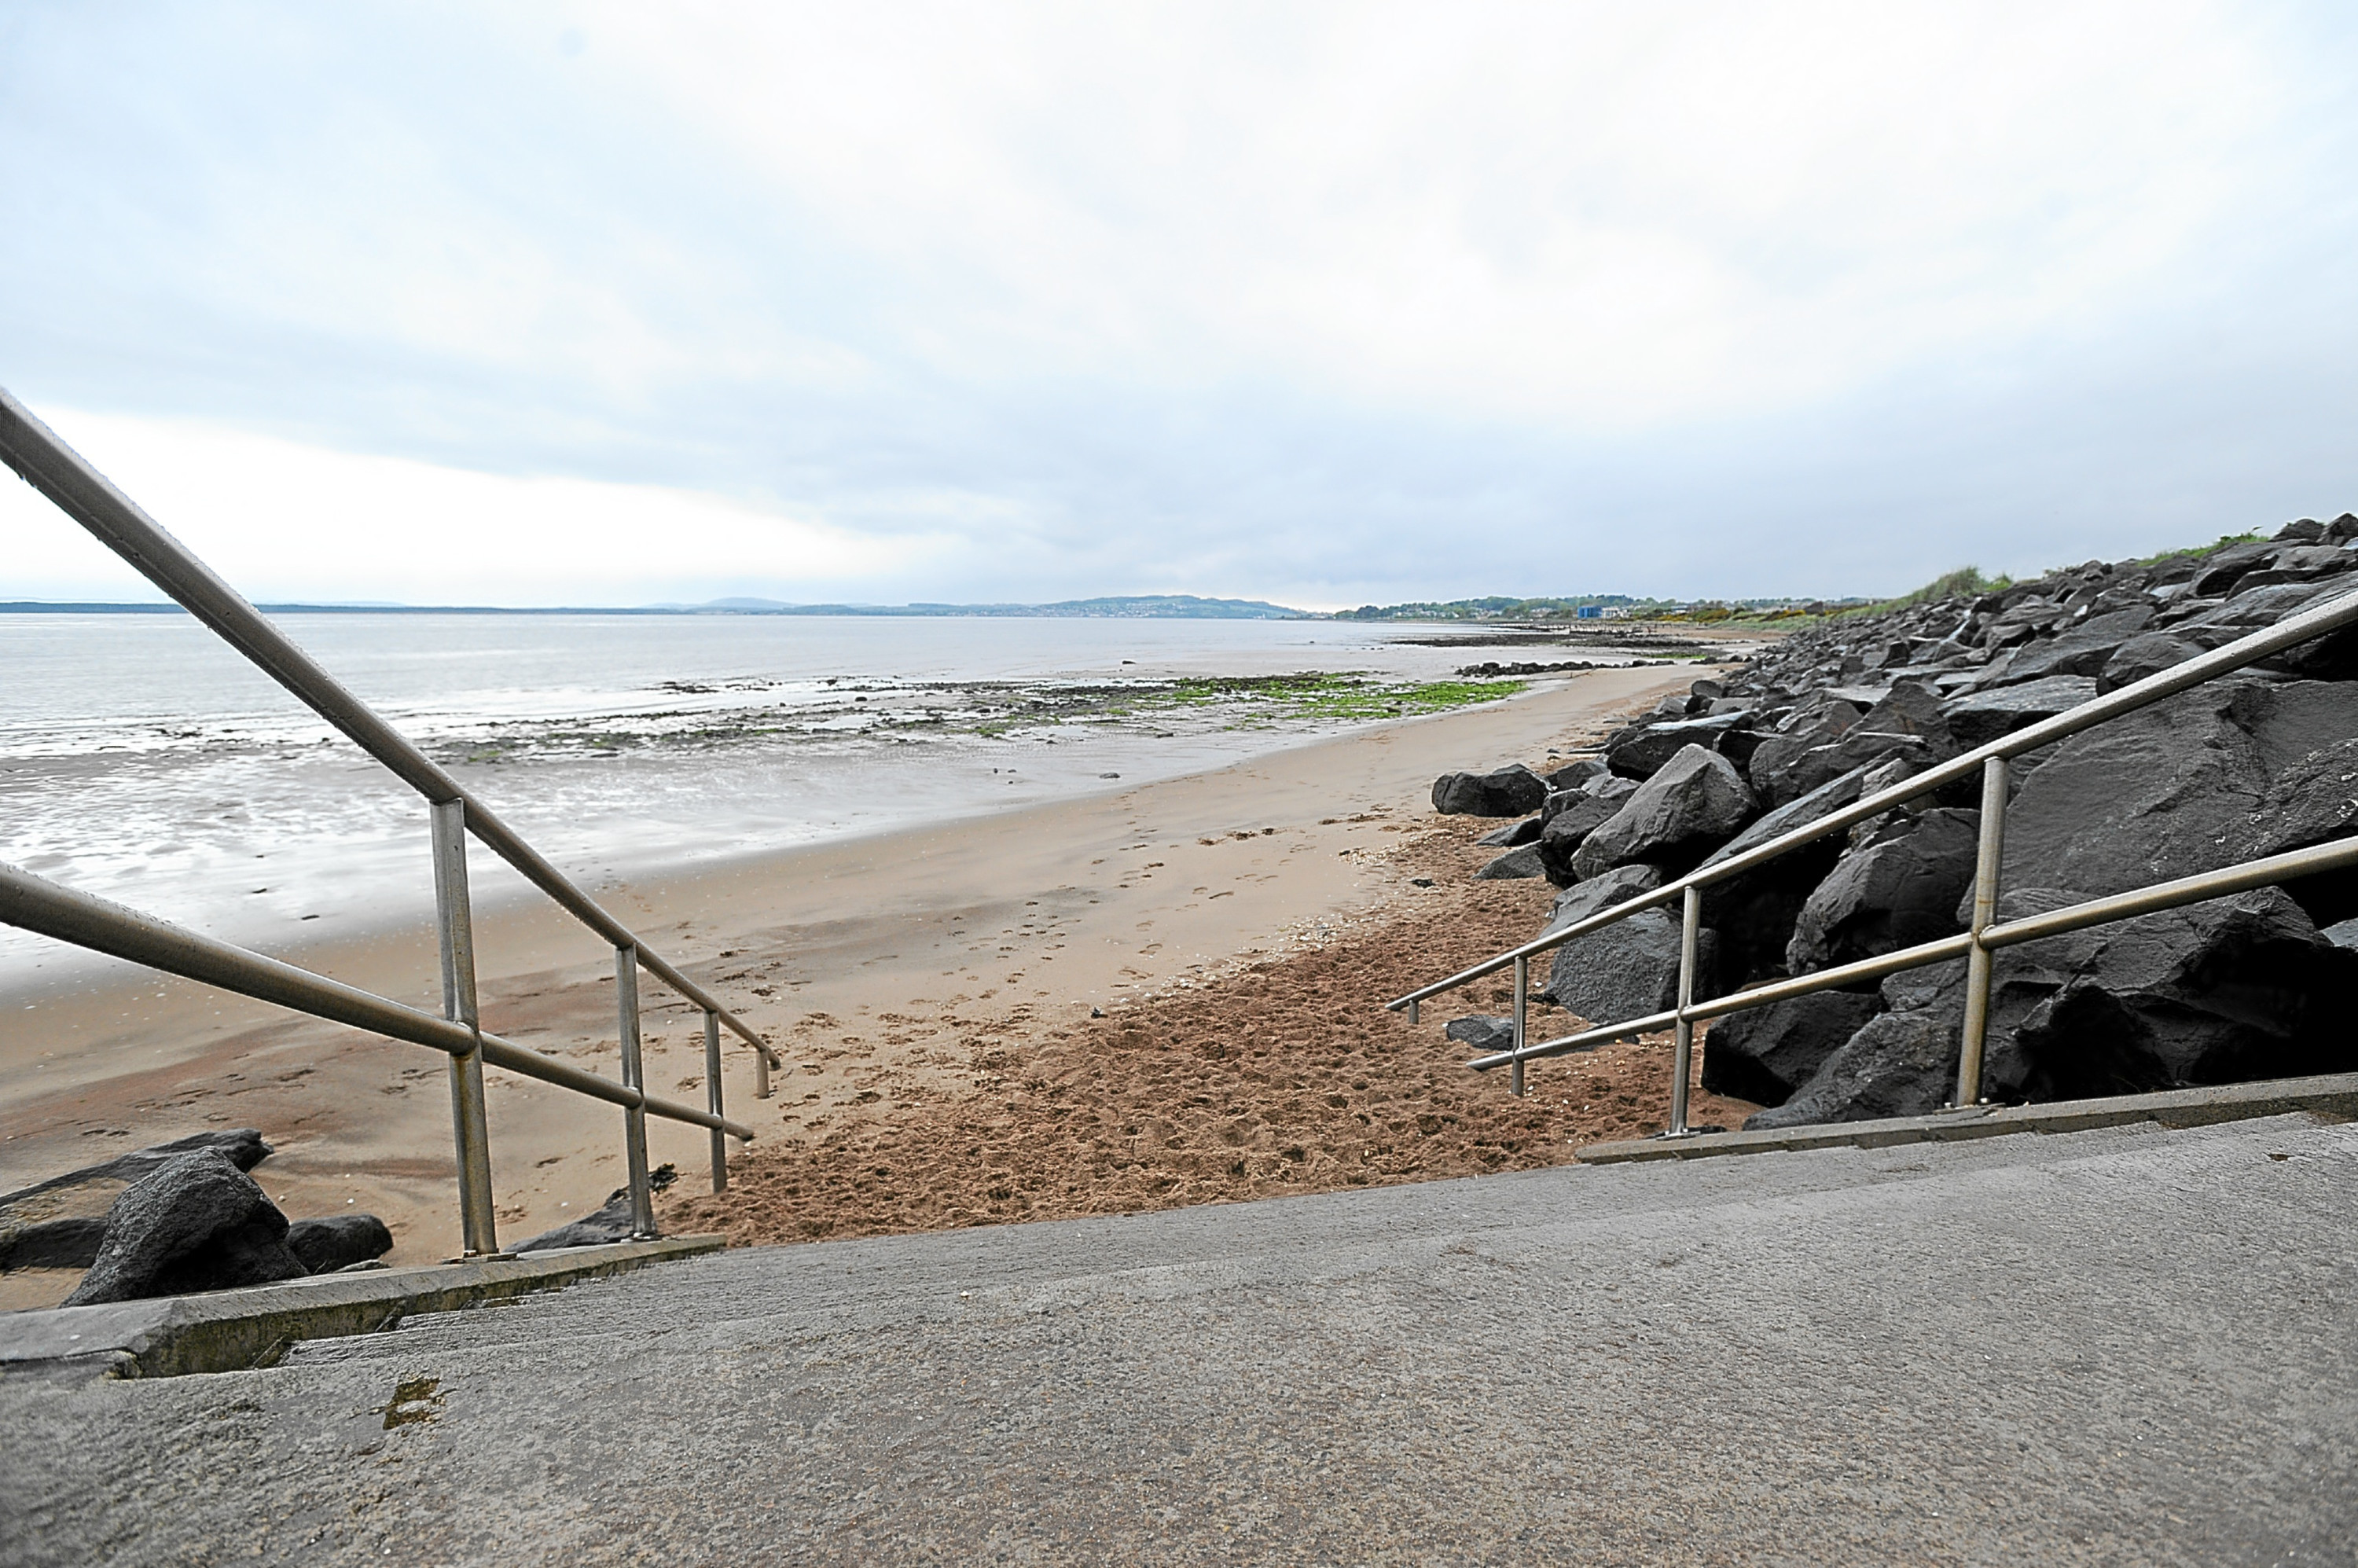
893, 954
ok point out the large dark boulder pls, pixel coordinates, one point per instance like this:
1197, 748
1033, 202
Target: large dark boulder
1512, 866
2148, 654
1754, 912
1696, 801
2333, 656
2222, 569
1983, 715
1629, 970
2230, 990
1818, 722
1615, 887
1896, 887
2226, 992
2083, 649
2311, 800
1908, 723
1577, 773
1570, 826
242, 1147
1765, 1053
195, 1223
2172, 788
1898, 1063
339, 1242
1512, 790
1641, 751
1513, 835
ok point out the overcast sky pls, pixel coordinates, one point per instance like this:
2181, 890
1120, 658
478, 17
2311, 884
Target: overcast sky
588, 304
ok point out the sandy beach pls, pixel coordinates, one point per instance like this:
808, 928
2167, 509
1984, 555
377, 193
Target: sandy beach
930, 990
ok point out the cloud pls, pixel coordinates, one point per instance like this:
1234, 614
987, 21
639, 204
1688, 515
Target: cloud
283, 521
1318, 302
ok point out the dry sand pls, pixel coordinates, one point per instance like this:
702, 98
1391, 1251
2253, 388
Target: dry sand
931, 993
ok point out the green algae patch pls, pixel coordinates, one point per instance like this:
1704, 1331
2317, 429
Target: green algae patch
902, 712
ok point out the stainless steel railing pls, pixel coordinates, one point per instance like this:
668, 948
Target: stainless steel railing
1976, 945
47, 463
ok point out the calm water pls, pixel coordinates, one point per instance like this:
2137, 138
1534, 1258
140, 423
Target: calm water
142, 760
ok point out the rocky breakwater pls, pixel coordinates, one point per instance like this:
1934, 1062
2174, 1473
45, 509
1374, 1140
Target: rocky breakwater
176, 1218
2255, 763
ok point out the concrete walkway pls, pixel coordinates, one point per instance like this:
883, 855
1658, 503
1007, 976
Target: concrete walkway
2123, 1346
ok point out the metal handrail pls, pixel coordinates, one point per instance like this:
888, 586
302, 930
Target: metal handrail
43, 460
35, 903
58, 473
1976, 945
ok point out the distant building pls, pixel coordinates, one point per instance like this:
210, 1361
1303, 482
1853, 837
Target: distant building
1590, 611
1611, 611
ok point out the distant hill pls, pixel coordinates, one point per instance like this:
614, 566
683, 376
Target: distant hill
1120, 607
1133, 607
1496, 608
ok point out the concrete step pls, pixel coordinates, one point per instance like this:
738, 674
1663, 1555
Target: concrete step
2127, 1344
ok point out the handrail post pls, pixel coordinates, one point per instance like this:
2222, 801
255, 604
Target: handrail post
712, 1098
1522, 1018
634, 1117
1988, 858
454, 923
761, 1060
1683, 1031
1412, 1012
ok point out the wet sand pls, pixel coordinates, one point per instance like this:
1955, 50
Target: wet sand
910, 979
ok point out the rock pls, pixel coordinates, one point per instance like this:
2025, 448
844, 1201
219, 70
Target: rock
1898, 1063
2081, 651
1898, 887
339, 1242
2224, 991
2344, 934
52, 1243
2224, 569
1691, 804
2170, 789
243, 1147
1753, 913
2308, 801
1641, 751
1627, 970
1568, 828
1766, 1053
1512, 790
2299, 564
195, 1223
1907, 723
2148, 654
1813, 724
1580, 770
607, 1225
1513, 835
1483, 1034
1617, 886
1512, 866
1977, 719
2333, 656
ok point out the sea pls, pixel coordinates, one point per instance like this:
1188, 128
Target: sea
144, 760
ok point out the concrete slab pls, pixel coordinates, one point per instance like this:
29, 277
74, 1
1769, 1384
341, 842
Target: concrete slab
224, 1331
2128, 1345
2331, 1094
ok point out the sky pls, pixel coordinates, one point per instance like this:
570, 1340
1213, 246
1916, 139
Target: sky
616, 304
